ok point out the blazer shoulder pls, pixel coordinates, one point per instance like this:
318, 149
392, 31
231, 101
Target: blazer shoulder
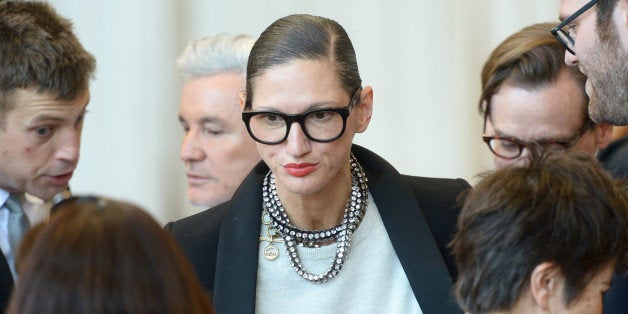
441, 186
440, 200
198, 237
206, 219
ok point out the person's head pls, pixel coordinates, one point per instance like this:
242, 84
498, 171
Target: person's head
305, 64
97, 255
44, 90
216, 149
595, 34
529, 97
546, 236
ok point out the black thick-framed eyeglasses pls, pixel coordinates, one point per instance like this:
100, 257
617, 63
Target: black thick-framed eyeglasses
512, 147
565, 37
320, 125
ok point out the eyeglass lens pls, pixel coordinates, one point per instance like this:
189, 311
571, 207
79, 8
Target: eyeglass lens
505, 148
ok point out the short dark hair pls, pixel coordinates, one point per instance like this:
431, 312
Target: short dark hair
605, 25
303, 37
530, 58
605, 10
562, 208
39, 50
97, 255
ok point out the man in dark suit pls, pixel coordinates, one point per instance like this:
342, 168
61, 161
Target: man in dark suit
44, 91
530, 97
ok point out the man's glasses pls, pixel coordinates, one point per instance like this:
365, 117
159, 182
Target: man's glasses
512, 147
565, 32
320, 125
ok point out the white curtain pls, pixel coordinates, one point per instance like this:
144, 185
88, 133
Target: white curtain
422, 58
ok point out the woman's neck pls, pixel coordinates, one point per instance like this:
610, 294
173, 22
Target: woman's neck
321, 210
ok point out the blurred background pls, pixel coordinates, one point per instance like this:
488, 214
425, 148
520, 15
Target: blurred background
422, 58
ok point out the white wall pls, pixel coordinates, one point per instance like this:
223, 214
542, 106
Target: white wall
423, 59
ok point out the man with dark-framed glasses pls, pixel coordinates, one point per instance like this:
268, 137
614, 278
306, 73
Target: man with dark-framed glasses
531, 98
595, 33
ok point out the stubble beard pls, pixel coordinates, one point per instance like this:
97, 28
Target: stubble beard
608, 74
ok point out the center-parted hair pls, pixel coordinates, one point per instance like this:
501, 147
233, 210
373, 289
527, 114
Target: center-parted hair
303, 37
98, 255
561, 208
530, 58
39, 50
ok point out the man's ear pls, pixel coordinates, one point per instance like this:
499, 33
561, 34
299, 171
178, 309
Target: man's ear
622, 8
545, 284
365, 108
603, 134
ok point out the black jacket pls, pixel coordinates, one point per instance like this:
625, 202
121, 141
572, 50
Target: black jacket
419, 215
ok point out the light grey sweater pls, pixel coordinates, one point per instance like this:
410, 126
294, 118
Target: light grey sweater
371, 280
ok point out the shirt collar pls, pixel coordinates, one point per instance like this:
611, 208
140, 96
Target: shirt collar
4, 195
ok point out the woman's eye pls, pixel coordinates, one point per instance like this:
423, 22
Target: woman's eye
321, 115
271, 118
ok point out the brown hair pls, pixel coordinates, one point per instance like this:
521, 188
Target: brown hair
39, 50
606, 29
530, 58
303, 37
605, 10
562, 208
102, 256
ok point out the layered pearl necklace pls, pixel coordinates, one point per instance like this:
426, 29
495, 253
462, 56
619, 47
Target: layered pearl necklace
276, 217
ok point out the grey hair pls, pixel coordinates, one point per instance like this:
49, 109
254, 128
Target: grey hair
215, 54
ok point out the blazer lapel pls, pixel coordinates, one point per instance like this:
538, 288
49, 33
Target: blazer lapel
236, 265
6, 283
410, 235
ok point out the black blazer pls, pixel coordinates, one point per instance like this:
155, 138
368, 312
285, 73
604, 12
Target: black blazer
6, 283
419, 215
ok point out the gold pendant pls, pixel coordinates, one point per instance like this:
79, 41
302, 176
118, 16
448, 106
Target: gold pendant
271, 252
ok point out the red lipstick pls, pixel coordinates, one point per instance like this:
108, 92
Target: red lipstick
299, 170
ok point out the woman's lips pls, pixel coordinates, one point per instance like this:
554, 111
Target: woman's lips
299, 170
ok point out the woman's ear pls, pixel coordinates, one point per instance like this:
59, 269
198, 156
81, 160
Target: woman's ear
546, 282
364, 109
242, 98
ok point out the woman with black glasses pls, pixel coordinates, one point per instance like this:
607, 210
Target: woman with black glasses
321, 225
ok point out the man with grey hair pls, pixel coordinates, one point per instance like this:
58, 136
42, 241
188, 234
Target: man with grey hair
217, 150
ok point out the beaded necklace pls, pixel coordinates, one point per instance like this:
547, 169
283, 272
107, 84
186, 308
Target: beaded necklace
276, 218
